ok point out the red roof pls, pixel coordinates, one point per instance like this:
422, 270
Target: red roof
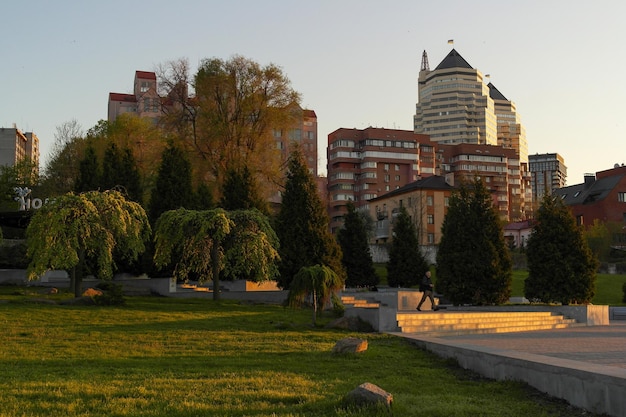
309, 113
122, 97
145, 75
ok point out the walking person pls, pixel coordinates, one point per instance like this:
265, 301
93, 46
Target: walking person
426, 287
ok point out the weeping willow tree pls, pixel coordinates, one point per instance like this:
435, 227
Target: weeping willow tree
89, 227
317, 282
214, 243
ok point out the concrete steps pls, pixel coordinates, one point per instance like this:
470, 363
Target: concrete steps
443, 323
352, 301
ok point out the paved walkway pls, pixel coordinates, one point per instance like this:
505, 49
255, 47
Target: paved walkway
601, 345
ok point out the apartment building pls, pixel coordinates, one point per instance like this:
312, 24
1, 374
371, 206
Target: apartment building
144, 101
366, 163
454, 104
505, 176
426, 201
477, 131
548, 172
16, 145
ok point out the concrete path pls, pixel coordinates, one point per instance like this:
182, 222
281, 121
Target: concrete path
601, 345
585, 366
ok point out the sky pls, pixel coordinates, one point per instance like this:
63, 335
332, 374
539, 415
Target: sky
354, 62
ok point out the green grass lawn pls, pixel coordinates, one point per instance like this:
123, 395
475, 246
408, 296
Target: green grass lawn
194, 357
608, 288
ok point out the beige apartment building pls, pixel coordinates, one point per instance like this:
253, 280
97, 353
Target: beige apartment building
144, 101
16, 145
478, 132
426, 201
454, 104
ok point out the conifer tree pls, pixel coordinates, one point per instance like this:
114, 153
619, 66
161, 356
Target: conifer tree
111, 164
239, 191
473, 262
357, 258
173, 187
561, 267
302, 226
406, 265
89, 174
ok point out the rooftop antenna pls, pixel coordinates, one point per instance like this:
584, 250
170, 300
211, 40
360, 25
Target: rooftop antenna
425, 66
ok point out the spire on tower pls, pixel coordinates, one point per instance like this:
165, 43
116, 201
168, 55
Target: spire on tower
425, 66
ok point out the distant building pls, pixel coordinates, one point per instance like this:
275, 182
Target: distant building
477, 131
454, 103
547, 173
517, 233
505, 176
600, 197
144, 101
16, 145
363, 164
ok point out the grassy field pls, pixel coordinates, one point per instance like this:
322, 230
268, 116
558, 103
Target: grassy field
191, 357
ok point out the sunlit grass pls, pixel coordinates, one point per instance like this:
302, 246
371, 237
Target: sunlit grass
174, 357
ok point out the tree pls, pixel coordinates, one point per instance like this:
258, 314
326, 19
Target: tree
302, 225
89, 174
120, 171
473, 262
62, 167
73, 229
357, 258
318, 282
230, 120
239, 191
406, 265
561, 267
173, 188
215, 242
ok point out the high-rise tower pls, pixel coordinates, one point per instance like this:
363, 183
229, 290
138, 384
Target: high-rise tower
454, 103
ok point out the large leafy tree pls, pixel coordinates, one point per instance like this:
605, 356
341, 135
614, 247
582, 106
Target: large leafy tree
229, 121
302, 225
211, 243
173, 188
561, 267
406, 265
74, 229
357, 258
473, 262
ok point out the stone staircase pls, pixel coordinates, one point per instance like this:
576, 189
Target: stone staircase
452, 323
352, 301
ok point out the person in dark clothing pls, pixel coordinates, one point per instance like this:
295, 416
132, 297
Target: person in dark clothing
426, 287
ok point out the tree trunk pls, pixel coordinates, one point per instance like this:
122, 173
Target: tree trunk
77, 273
314, 308
216, 271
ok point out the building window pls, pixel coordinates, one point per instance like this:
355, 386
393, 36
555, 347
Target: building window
580, 220
446, 201
621, 197
397, 178
397, 167
429, 200
431, 238
431, 219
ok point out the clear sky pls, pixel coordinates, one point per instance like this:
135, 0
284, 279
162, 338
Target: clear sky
355, 62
